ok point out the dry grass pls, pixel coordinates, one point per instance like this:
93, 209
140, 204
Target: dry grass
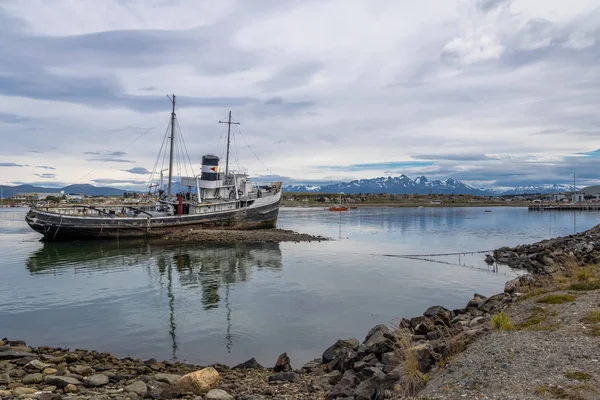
539, 320
557, 299
586, 274
413, 379
502, 321
591, 317
533, 293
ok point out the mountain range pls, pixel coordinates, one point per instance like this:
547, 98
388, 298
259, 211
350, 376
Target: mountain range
404, 185
90, 190
393, 185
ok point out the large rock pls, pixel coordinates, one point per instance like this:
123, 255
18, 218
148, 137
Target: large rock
345, 387
330, 354
379, 340
218, 394
137, 387
283, 364
285, 377
161, 390
367, 389
199, 382
439, 313
167, 378
344, 360
96, 380
61, 381
250, 364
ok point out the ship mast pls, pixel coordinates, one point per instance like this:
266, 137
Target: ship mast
228, 137
172, 146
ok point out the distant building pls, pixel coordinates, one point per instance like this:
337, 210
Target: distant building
559, 197
578, 198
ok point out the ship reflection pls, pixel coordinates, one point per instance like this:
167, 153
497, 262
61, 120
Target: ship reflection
206, 269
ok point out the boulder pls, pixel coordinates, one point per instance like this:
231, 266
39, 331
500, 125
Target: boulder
250, 364
367, 373
17, 373
439, 314
391, 358
285, 377
379, 340
426, 356
167, 378
344, 360
367, 389
476, 321
49, 396
218, 394
5, 393
96, 380
199, 382
162, 390
50, 371
61, 381
33, 379
330, 354
137, 387
283, 363
345, 387
309, 366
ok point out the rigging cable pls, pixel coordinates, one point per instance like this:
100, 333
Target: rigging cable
259, 160
158, 158
116, 153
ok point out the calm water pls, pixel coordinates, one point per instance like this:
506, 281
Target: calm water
228, 303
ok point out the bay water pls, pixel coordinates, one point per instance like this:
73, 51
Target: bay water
226, 303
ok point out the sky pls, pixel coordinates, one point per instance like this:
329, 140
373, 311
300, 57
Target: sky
495, 93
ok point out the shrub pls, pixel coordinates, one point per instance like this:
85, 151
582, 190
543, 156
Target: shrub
557, 299
586, 274
580, 376
502, 321
585, 286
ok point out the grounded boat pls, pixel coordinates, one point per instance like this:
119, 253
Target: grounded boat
339, 207
213, 200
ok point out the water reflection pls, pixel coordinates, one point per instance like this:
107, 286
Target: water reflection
208, 270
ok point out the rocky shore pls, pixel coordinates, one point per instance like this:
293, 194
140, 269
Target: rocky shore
248, 236
538, 339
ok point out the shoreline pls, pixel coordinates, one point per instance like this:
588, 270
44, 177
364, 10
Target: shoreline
239, 236
440, 354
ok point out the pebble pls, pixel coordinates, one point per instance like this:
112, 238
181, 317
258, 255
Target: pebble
167, 378
50, 371
33, 379
218, 394
23, 390
96, 380
70, 388
5, 393
50, 388
5, 379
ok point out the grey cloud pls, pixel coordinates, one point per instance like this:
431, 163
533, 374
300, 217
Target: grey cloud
108, 159
44, 167
488, 5
137, 170
107, 181
106, 153
46, 176
454, 157
148, 89
8, 118
291, 76
10, 164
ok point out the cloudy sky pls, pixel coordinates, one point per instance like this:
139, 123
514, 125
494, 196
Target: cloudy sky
492, 92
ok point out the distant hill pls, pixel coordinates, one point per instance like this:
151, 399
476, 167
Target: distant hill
90, 190
404, 185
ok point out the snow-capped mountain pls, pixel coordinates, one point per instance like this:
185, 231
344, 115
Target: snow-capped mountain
543, 189
404, 185
395, 185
